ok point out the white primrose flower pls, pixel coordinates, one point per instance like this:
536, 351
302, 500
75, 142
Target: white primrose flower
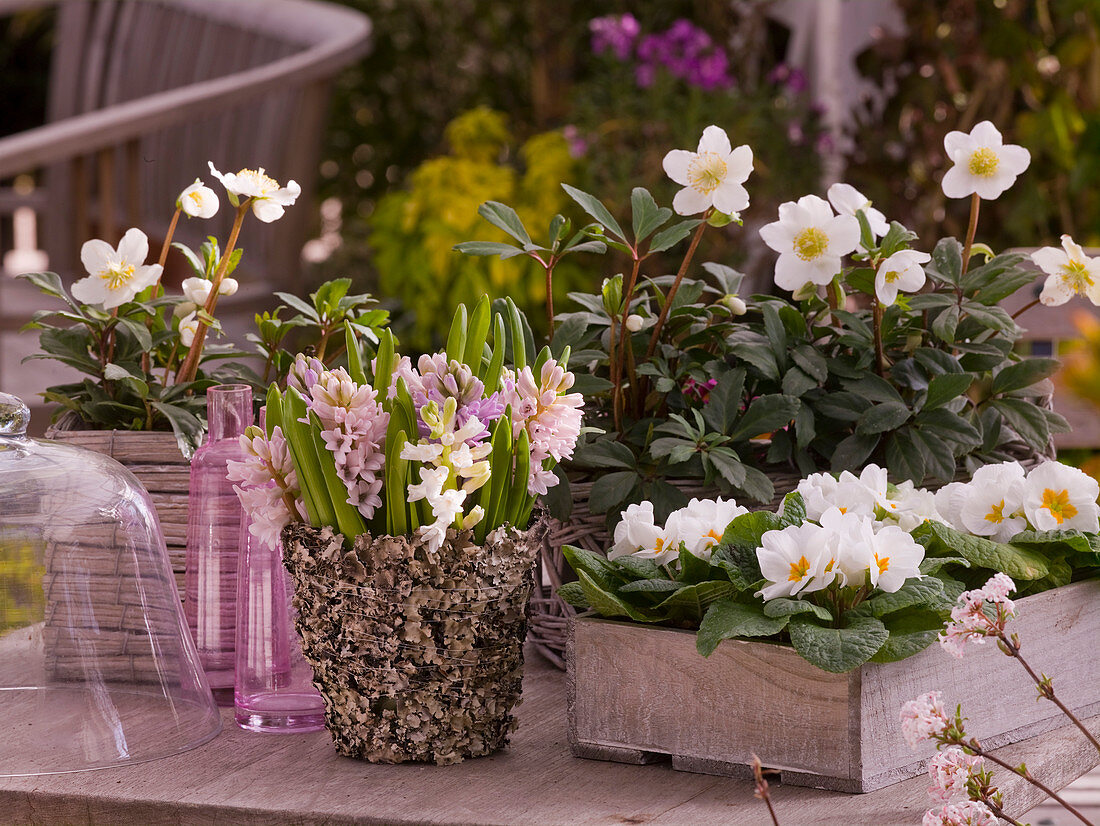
1070, 272
914, 506
189, 328
700, 525
901, 271
895, 557
810, 240
818, 491
636, 531
950, 500
198, 201
794, 560
712, 176
1058, 497
984, 164
267, 198
115, 276
992, 503
847, 200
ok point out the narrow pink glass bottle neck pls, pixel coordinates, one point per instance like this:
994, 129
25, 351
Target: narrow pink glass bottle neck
228, 411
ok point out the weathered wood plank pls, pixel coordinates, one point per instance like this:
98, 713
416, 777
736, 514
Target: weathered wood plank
243, 778
643, 689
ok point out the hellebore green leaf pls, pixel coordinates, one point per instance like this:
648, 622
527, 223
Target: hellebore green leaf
725, 619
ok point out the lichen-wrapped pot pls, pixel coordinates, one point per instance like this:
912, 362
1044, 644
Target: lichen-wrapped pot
418, 653
97, 668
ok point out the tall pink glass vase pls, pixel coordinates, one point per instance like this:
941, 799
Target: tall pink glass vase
213, 537
274, 689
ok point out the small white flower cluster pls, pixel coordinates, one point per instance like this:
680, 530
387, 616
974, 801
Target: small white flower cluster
923, 719
697, 528
1002, 500
969, 620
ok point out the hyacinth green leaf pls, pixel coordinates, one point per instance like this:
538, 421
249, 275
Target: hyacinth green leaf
516, 337
311, 480
493, 494
517, 489
273, 418
563, 359
396, 469
496, 361
456, 339
348, 520
541, 359
355, 357
383, 365
477, 330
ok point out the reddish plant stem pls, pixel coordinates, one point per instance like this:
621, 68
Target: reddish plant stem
876, 319
190, 364
976, 747
972, 228
620, 350
761, 790
1024, 309
653, 339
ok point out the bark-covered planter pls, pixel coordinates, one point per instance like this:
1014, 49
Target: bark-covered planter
418, 654
641, 693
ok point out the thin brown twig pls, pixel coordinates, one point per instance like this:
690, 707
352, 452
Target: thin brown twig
653, 339
761, 791
972, 228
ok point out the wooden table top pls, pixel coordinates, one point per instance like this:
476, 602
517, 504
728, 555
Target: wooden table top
245, 778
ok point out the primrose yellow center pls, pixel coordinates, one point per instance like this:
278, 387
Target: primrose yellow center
118, 274
255, 178
660, 546
891, 276
883, 563
713, 534
1057, 502
811, 243
983, 162
706, 172
799, 570
1077, 275
996, 513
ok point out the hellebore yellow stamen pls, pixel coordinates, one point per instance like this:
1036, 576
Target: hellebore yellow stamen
984, 162
811, 243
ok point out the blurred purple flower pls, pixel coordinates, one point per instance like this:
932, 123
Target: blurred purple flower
578, 143
792, 77
613, 33
644, 75
687, 52
700, 391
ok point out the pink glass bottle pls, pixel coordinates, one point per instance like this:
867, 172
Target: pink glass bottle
213, 536
274, 689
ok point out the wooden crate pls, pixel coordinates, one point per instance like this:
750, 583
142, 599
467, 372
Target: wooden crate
639, 694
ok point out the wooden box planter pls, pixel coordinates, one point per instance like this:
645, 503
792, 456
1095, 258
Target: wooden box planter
638, 694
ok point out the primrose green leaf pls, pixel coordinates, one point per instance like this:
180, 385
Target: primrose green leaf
726, 619
606, 604
837, 649
1017, 561
783, 607
573, 593
911, 632
927, 592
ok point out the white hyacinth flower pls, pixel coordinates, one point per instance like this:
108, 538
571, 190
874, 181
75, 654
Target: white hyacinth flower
189, 328
1058, 497
847, 200
268, 198
993, 502
810, 240
1070, 272
198, 200
115, 276
712, 176
984, 164
901, 271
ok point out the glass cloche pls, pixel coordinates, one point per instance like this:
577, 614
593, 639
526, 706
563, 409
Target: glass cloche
97, 668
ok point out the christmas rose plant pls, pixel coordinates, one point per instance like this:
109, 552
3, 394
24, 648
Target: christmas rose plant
850, 568
464, 439
880, 347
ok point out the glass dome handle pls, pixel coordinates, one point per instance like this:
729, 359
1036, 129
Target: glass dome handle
14, 416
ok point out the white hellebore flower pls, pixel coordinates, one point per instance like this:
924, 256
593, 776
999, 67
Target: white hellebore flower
993, 502
634, 322
189, 327
794, 560
1058, 497
1071, 273
197, 290
810, 240
901, 271
115, 276
268, 198
712, 176
198, 200
847, 200
984, 165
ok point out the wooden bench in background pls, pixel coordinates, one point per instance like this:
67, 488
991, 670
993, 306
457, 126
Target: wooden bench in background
142, 93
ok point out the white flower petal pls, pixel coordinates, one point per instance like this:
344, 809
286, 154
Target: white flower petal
267, 210
817, 210
790, 272
843, 232
676, 165
986, 134
95, 255
778, 236
1056, 292
730, 197
957, 183
715, 140
1050, 260
1014, 159
690, 201
88, 290
740, 164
